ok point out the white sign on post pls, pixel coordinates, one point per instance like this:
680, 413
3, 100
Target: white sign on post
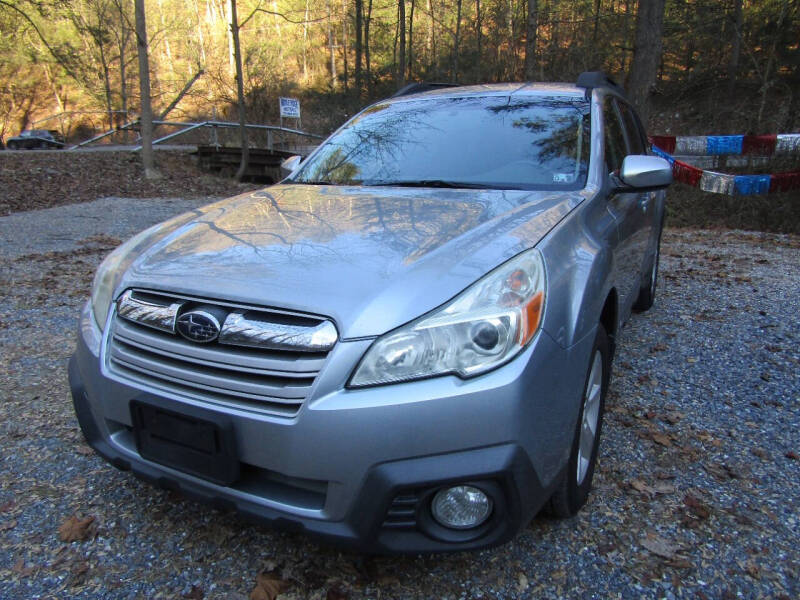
290, 108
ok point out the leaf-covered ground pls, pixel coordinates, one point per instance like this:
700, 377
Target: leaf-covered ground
696, 494
33, 180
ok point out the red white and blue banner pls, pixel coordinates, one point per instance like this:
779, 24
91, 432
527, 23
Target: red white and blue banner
725, 183
718, 145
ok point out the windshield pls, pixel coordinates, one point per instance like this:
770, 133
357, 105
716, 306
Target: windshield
490, 141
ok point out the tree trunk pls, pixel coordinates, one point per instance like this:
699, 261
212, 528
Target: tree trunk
305, 44
457, 41
400, 65
332, 55
344, 46
478, 26
733, 63
123, 76
532, 25
367, 21
433, 61
646, 55
237, 57
411, 42
146, 118
359, 45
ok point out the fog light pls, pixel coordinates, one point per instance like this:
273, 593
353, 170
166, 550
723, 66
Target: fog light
461, 507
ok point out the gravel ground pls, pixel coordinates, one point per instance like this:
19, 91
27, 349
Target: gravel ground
696, 493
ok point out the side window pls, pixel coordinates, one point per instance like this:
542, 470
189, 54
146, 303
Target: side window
636, 137
616, 149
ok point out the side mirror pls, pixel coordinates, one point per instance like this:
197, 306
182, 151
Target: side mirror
290, 165
645, 172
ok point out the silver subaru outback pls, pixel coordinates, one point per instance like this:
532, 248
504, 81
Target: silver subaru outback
404, 346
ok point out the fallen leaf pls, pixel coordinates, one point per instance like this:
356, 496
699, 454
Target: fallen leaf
75, 529
268, 586
659, 546
662, 487
752, 570
673, 417
522, 583
20, 569
6, 525
641, 486
696, 506
792, 455
7, 506
85, 450
662, 439
196, 593
336, 593
760, 453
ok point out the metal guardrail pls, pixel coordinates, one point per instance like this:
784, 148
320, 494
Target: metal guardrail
270, 129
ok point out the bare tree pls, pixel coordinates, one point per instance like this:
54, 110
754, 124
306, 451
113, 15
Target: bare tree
359, 44
736, 45
400, 65
532, 25
146, 118
646, 54
237, 57
457, 41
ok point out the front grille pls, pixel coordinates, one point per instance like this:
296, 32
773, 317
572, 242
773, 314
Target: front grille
268, 380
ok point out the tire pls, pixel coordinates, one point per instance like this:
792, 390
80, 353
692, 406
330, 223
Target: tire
647, 292
12, 145
576, 482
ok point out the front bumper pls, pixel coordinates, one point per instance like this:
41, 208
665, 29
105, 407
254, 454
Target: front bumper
359, 467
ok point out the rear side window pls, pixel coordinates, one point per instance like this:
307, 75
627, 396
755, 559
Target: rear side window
635, 134
616, 149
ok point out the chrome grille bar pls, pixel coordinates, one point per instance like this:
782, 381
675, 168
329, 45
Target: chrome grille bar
239, 330
148, 313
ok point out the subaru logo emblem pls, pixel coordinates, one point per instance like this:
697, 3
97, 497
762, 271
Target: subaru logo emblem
198, 326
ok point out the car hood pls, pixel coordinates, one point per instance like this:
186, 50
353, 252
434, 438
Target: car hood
370, 259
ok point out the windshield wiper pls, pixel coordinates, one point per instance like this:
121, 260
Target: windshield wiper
433, 183
311, 182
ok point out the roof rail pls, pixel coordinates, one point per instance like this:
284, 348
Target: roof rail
422, 86
596, 79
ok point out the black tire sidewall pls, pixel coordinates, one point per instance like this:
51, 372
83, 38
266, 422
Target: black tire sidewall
578, 494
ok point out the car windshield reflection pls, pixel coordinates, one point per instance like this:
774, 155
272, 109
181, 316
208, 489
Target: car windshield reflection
471, 142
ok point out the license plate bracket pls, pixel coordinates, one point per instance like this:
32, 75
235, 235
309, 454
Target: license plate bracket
192, 440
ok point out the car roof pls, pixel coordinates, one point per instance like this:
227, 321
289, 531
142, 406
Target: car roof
496, 89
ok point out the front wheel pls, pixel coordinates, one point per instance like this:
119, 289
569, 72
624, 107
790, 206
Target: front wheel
573, 489
647, 292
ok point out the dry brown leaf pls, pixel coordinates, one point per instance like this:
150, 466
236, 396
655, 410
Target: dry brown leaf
75, 529
792, 455
696, 506
6, 525
659, 546
662, 487
196, 593
85, 450
20, 569
268, 586
641, 486
662, 439
336, 593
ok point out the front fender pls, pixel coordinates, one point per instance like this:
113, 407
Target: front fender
579, 258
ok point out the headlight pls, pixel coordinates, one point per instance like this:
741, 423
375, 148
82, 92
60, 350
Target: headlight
483, 327
112, 268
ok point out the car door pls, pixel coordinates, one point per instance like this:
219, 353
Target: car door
628, 208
